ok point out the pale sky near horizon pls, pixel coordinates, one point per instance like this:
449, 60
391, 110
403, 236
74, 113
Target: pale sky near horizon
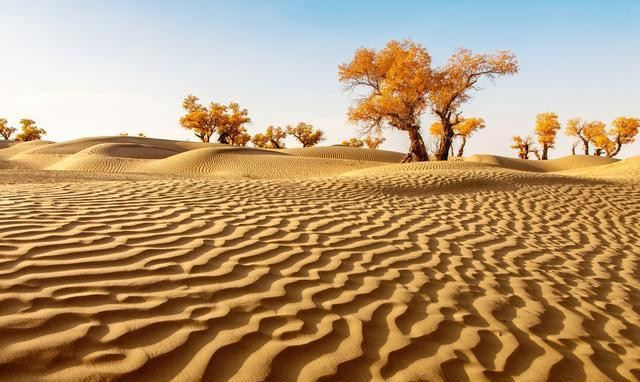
83, 68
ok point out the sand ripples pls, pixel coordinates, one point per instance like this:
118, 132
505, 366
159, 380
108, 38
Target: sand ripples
354, 278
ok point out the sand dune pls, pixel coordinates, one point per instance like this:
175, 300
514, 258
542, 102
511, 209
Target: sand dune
558, 164
349, 153
168, 262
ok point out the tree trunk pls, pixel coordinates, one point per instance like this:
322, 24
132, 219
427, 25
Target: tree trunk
417, 149
618, 147
545, 151
537, 154
461, 149
445, 142
585, 142
573, 149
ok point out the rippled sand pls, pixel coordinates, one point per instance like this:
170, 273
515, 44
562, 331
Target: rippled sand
335, 265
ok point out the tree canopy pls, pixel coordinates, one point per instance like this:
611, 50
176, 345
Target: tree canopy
30, 131
306, 134
5, 130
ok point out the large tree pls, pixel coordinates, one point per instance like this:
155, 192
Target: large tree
396, 79
5, 130
306, 134
401, 84
453, 83
547, 126
30, 131
586, 131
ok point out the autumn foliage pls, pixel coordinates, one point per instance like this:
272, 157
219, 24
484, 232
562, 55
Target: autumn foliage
306, 134
226, 120
547, 126
524, 146
30, 131
373, 142
401, 84
463, 130
5, 130
271, 139
353, 142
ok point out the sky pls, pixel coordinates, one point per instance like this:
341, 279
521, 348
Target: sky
92, 68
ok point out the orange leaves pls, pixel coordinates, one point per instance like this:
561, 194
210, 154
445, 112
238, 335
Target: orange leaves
306, 134
625, 129
397, 79
5, 130
272, 139
547, 126
228, 121
373, 142
353, 142
30, 132
468, 126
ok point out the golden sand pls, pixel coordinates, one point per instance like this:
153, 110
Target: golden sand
155, 260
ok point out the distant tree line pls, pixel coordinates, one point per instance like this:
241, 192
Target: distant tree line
590, 134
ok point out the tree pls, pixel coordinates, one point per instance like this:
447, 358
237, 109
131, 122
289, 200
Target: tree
373, 142
624, 131
401, 85
586, 131
30, 131
305, 134
271, 139
204, 122
452, 84
463, 129
524, 146
353, 142
5, 130
397, 79
547, 127
231, 129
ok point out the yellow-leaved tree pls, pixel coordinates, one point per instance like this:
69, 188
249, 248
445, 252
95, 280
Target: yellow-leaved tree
271, 139
5, 130
463, 129
547, 126
372, 142
30, 131
397, 79
586, 131
625, 130
353, 142
227, 121
401, 85
306, 134
232, 131
453, 83
524, 146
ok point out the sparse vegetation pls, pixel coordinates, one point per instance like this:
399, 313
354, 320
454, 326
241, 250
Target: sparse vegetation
306, 134
227, 121
5, 130
30, 131
272, 139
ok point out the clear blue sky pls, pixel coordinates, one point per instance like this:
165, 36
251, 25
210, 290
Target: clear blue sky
86, 68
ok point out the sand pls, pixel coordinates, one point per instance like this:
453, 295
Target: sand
136, 259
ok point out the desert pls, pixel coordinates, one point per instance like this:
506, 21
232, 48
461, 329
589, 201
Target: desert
331, 191
127, 258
